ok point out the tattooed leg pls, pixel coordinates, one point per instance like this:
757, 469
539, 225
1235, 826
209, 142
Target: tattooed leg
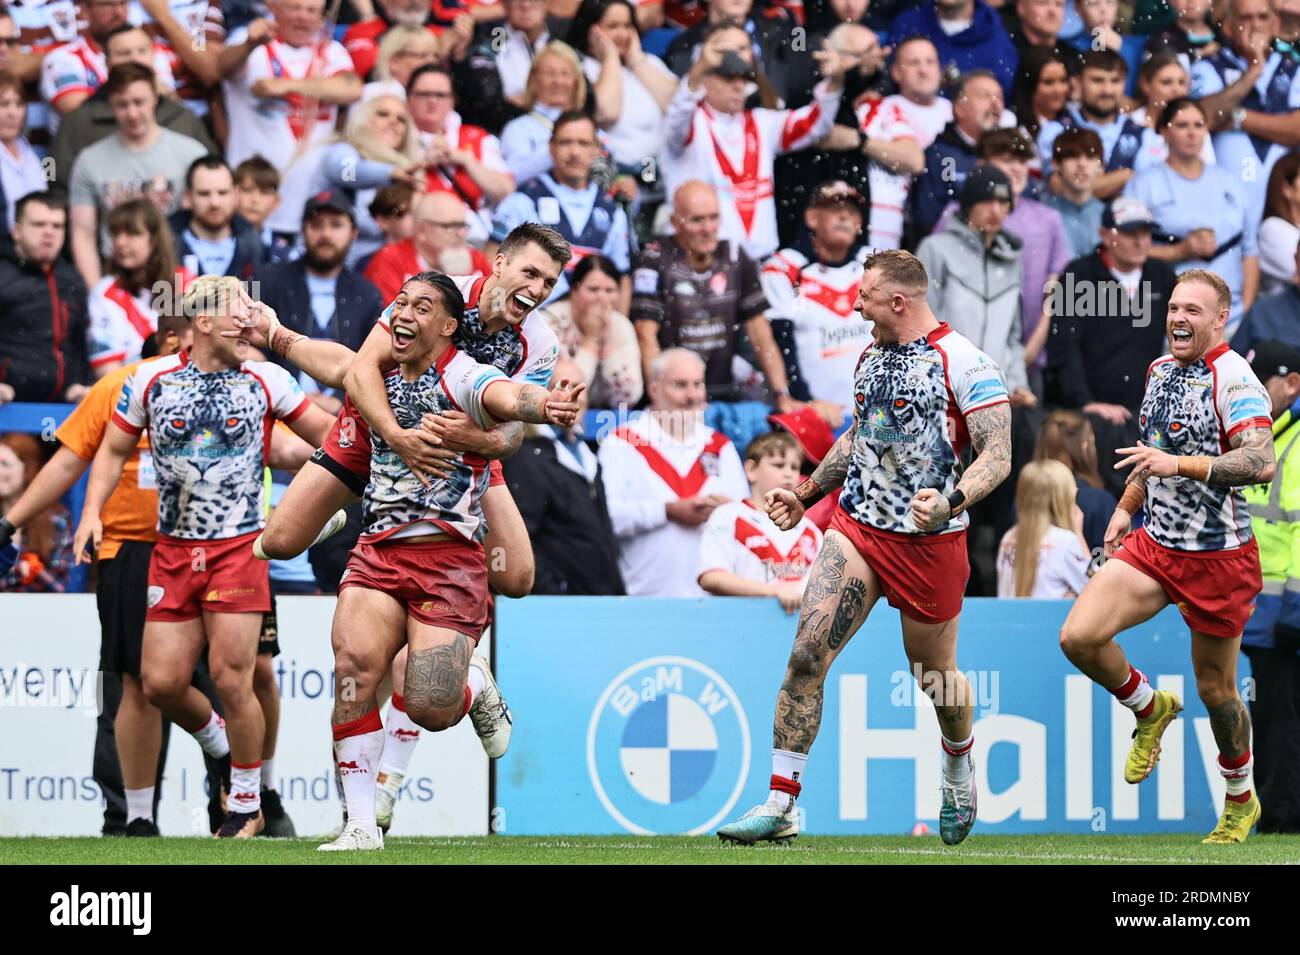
932, 651
841, 592
369, 629
1215, 662
436, 667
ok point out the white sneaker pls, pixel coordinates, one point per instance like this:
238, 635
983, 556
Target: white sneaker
355, 837
489, 714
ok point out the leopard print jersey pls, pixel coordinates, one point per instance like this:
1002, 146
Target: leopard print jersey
1193, 410
910, 403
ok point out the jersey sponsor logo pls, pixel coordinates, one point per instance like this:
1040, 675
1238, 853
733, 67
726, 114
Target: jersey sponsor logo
645, 281
986, 390
155, 595
668, 747
718, 283
124, 398
548, 210
1248, 408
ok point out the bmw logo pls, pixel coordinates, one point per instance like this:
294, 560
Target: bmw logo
668, 747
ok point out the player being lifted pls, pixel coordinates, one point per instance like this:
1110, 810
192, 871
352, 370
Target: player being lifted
209, 413
417, 576
921, 393
1206, 430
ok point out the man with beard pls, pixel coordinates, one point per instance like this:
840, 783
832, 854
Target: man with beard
317, 295
1129, 146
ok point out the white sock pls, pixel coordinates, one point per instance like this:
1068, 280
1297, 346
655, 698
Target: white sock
400, 738
212, 737
139, 804
245, 787
1238, 778
357, 757
788, 765
957, 763
474, 680
268, 773
1135, 692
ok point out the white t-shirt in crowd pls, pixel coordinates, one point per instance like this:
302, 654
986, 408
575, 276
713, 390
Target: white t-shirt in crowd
1062, 565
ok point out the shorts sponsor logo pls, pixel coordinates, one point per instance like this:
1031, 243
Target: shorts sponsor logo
155, 595
435, 606
216, 596
668, 747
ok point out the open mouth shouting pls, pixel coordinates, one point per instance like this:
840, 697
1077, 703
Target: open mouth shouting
519, 305
403, 337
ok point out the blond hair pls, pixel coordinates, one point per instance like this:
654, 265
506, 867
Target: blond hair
1213, 280
397, 37
1044, 498
570, 58
899, 268
210, 295
357, 132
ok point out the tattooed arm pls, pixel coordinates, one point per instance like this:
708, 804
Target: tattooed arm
1249, 462
830, 473
507, 400
990, 435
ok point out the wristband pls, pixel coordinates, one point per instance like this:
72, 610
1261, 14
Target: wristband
7, 531
282, 340
1195, 467
809, 493
1133, 498
956, 502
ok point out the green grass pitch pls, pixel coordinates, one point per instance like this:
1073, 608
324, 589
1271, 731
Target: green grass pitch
630, 850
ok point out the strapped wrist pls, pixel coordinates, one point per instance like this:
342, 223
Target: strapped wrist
1196, 467
1133, 498
809, 493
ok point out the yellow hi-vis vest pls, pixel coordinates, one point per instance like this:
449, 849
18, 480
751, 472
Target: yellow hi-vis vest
1275, 521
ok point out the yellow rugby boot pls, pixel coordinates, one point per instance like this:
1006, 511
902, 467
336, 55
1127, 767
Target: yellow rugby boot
1145, 751
1236, 822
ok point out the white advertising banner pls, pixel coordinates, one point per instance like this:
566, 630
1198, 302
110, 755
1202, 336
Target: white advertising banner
49, 680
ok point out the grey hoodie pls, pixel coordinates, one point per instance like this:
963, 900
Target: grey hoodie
977, 292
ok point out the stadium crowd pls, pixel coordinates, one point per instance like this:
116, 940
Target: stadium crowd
721, 169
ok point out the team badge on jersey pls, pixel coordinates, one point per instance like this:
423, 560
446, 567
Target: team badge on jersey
548, 210
668, 747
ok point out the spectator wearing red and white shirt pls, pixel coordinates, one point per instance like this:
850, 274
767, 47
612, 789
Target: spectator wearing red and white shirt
362, 39
463, 159
284, 83
712, 137
192, 34
898, 129
71, 72
121, 306
438, 243
742, 551
665, 473
812, 293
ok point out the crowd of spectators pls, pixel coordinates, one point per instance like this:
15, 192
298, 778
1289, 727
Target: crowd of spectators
721, 169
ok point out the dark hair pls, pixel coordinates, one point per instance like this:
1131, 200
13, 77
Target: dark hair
1029, 74
425, 70
1005, 142
766, 91
124, 28
260, 170
210, 161
1152, 65
1107, 60
1284, 172
124, 74
1176, 106
531, 233
393, 200
49, 200
570, 116
452, 300
593, 263
589, 15
142, 216
1075, 142
963, 81
10, 82
908, 40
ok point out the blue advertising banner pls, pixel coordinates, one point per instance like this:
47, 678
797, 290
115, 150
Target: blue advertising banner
654, 716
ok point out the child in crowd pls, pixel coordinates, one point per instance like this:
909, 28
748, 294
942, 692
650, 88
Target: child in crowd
1044, 555
742, 552
258, 185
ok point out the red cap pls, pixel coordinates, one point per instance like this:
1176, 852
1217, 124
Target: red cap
809, 429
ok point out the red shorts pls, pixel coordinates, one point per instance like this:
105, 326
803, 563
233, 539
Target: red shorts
1214, 590
440, 583
922, 576
348, 442
187, 577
